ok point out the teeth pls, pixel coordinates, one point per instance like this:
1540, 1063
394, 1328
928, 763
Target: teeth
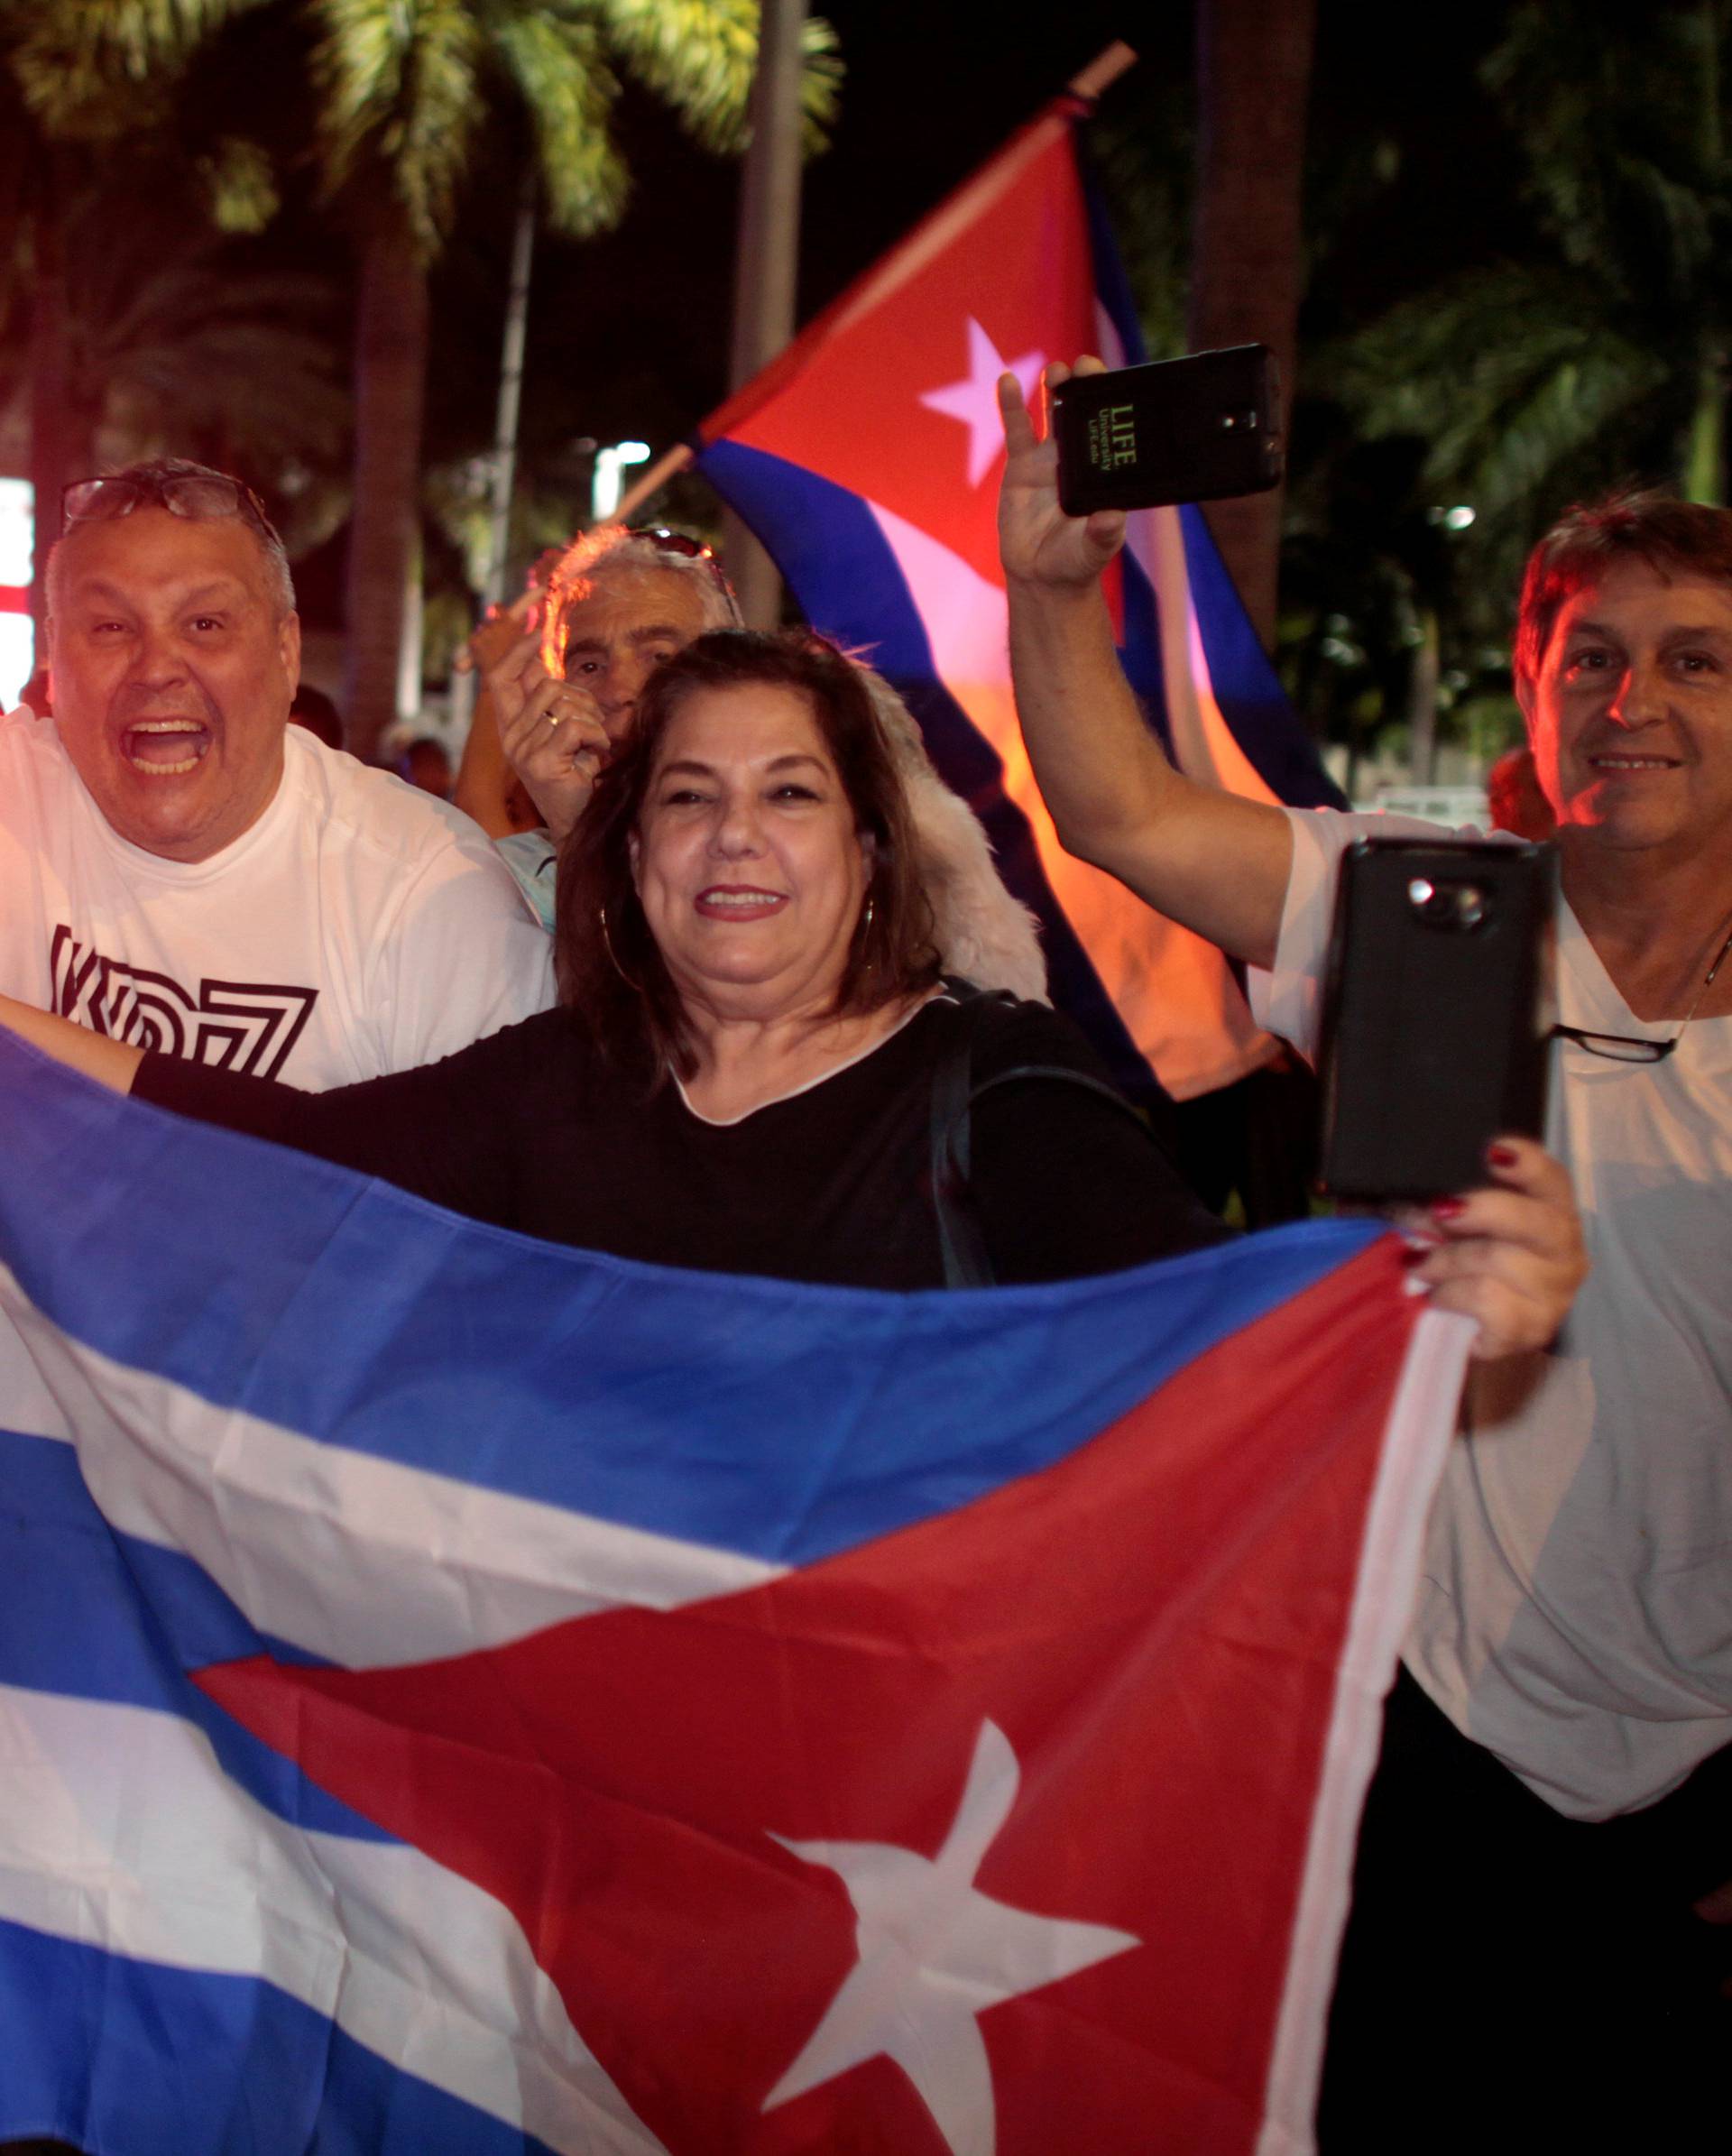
158, 769
740, 897
156, 766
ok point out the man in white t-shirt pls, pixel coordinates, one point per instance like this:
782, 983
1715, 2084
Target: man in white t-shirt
1555, 1786
182, 869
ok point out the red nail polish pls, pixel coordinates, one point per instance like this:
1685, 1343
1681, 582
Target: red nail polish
1501, 1156
1448, 1209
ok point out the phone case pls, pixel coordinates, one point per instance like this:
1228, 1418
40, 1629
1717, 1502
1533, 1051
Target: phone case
1195, 430
1433, 1030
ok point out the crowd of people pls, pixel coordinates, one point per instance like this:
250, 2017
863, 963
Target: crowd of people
705, 965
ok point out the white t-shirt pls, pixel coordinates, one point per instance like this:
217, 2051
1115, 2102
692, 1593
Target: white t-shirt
1575, 1613
359, 926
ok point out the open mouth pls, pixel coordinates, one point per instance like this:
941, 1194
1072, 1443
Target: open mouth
738, 902
165, 748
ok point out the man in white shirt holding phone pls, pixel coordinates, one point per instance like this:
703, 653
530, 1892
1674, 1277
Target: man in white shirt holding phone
1554, 1785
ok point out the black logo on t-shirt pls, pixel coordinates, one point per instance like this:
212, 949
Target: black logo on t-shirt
232, 1025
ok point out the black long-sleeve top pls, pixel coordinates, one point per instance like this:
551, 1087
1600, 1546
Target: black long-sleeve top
533, 1130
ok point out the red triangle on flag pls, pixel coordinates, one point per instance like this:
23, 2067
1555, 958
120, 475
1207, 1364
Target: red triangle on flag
1090, 1708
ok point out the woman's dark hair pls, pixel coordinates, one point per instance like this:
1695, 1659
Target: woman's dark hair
608, 964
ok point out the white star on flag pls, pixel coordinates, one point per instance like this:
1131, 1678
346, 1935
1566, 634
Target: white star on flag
934, 1955
974, 400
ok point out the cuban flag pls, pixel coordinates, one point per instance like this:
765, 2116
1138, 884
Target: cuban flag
867, 460
458, 1693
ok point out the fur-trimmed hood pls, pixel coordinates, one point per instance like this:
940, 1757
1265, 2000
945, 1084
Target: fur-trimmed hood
983, 934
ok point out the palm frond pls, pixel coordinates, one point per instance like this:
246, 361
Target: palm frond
560, 70
400, 87
696, 55
700, 55
1517, 395
1620, 135
92, 69
239, 185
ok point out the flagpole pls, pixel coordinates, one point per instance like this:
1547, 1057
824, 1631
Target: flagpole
1089, 85
652, 480
1103, 71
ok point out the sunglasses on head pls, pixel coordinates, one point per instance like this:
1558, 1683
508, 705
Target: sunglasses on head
681, 543
197, 495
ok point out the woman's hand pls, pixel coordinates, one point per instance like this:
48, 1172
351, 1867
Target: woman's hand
1510, 1255
1038, 542
551, 730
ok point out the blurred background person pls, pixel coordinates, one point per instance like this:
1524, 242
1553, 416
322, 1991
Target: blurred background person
425, 762
313, 710
1515, 798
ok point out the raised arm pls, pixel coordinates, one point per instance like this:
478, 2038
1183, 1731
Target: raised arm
1207, 859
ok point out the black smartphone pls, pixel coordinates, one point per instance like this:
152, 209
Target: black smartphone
1433, 1036
1195, 430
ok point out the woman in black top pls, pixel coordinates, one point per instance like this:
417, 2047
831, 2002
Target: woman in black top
741, 1076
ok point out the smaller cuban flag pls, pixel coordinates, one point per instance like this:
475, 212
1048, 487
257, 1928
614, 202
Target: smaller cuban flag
867, 458
457, 1693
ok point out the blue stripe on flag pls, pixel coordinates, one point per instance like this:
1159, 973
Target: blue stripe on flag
1112, 286
1247, 688
195, 2061
94, 1615
349, 1311
850, 587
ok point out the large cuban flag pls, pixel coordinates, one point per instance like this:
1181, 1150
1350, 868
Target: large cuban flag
460, 1694
867, 458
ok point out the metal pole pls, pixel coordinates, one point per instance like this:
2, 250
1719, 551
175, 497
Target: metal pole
767, 262
504, 475
511, 389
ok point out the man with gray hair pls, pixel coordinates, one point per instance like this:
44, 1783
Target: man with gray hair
184, 870
564, 668
564, 690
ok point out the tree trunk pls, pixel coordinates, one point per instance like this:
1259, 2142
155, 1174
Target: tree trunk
384, 524
1246, 265
1421, 700
1705, 455
54, 420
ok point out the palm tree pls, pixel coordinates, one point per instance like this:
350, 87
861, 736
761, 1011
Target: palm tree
405, 92
1248, 255
79, 86
1597, 350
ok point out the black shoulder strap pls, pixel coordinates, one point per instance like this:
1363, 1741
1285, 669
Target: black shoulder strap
953, 1094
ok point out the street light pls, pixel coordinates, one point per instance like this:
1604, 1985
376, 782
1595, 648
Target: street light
607, 481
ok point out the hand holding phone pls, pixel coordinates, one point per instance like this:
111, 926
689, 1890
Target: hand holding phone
1434, 1041
1194, 429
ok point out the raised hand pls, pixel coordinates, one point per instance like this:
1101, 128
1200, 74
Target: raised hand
551, 730
1039, 544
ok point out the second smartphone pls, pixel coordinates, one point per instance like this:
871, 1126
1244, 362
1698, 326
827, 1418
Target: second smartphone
1435, 1014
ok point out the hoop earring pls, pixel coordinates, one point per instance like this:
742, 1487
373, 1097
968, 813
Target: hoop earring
601, 915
